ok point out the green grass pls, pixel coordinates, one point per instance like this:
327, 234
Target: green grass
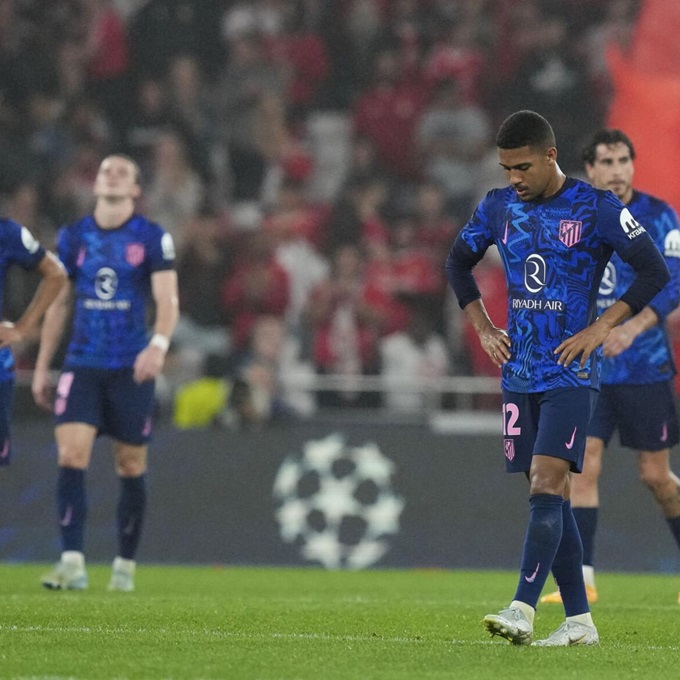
268, 623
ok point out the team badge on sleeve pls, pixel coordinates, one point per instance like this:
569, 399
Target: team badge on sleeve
168, 247
630, 225
29, 241
134, 254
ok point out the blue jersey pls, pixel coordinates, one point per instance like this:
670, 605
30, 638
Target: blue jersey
111, 272
555, 252
650, 358
17, 246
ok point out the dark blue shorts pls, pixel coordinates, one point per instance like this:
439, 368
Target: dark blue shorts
551, 423
6, 389
108, 399
644, 415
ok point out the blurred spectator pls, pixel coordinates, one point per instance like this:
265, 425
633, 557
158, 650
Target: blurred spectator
202, 267
265, 17
387, 113
193, 112
249, 77
175, 191
457, 56
451, 136
356, 218
161, 29
550, 75
411, 358
615, 29
260, 393
258, 285
107, 61
152, 118
436, 228
346, 317
295, 227
302, 56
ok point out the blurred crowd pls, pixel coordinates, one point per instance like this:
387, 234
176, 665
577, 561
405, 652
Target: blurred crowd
313, 161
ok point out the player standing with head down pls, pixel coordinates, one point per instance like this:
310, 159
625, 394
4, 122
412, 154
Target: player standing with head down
116, 259
555, 235
637, 373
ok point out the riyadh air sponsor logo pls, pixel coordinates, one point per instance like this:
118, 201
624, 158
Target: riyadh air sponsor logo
671, 244
608, 283
538, 305
630, 225
535, 273
570, 232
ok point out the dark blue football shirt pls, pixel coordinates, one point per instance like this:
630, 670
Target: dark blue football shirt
17, 246
111, 271
555, 252
650, 358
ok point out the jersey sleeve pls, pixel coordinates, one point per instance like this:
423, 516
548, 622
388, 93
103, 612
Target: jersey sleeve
477, 233
619, 228
161, 250
67, 250
669, 245
21, 246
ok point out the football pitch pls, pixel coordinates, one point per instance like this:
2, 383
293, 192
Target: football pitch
285, 623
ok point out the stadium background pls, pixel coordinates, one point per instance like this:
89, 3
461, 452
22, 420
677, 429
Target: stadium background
298, 151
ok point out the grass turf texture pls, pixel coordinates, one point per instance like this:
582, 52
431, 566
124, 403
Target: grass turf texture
268, 623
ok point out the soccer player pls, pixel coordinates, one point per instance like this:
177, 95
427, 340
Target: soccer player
555, 235
116, 259
17, 246
636, 397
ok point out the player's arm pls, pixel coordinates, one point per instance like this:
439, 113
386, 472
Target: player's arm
459, 265
53, 279
666, 301
150, 360
50, 336
651, 276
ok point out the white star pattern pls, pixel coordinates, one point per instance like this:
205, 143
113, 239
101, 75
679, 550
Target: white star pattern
348, 531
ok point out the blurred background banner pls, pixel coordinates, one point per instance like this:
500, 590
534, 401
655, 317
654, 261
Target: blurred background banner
646, 102
341, 494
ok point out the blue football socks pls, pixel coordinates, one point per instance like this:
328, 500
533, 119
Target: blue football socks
674, 524
71, 507
542, 539
131, 507
567, 567
586, 520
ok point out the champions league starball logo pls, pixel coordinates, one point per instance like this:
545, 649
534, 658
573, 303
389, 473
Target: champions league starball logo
337, 504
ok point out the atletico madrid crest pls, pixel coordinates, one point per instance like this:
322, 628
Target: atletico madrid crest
134, 254
570, 232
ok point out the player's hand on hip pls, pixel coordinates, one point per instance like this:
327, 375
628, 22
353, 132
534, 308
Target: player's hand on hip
582, 345
149, 364
496, 343
619, 340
